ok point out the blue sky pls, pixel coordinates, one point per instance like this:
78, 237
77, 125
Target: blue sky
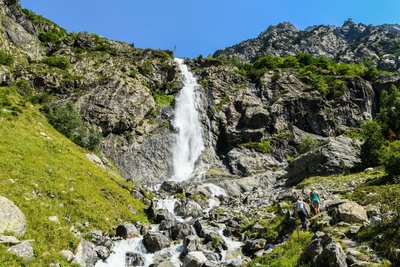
197, 27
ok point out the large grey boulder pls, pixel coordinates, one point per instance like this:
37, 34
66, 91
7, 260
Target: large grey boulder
324, 251
127, 230
23, 250
194, 259
155, 242
12, 220
338, 154
86, 254
351, 212
9, 240
188, 208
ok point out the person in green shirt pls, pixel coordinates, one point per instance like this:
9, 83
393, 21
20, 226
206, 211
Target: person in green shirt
315, 199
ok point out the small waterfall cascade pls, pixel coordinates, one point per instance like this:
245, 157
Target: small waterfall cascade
189, 139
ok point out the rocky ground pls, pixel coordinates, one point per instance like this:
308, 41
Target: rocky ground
208, 223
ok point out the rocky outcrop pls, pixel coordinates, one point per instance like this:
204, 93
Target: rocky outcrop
337, 155
324, 251
350, 42
12, 220
86, 254
23, 250
352, 212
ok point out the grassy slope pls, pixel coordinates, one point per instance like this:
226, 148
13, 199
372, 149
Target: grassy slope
52, 177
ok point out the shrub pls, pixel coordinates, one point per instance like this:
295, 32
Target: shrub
374, 141
6, 59
58, 62
24, 89
390, 158
307, 143
264, 146
132, 74
389, 113
146, 68
66, 120
52, 36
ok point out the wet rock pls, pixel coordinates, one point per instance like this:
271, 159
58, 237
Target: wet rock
102, 252
164, 215
134, 259
351, 212
166, 264
127, 230
23, 250
172, 187
86, 254
194, 259
192, 243
188, 208
180, 231
167, 224
155, 242
251, 246
324, 251
12, 220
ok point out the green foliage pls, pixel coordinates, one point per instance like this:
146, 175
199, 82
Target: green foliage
288, 254
66, 119
263, 146
133, 74
6, 59
58, 62
390, 158
389, 113
102, 48
24, 89
374, 141
164, 100
146, 68
307, 143
11, 102
52, 36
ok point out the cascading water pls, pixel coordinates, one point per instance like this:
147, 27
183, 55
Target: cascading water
189, 143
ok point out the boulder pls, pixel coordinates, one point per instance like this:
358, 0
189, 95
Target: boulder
102, 252
68, 255
12, 220
251, 246
23, 250
351, 212
191, 243
338, 154
194, 259
324, 251
127, 230
180, 231
134, 259
155, 242
86, 254
171, 186
164, 215
188, 208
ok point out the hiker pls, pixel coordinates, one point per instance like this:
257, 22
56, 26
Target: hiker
314, 200
302, 212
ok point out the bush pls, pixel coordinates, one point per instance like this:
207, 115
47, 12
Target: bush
58, 62
146, 68
263, 147
66, 120
389, 113
374, 141
307, 143
24, 89
390, 159
6, 59
52, 36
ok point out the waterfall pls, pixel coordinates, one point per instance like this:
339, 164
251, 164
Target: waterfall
189, 140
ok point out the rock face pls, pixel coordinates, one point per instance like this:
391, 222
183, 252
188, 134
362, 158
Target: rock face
352, 212
350, 42
337, 155
324, 251
12, 220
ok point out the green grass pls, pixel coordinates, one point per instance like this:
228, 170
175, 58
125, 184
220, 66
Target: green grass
288, 254
263, 146
164, 100
47, 177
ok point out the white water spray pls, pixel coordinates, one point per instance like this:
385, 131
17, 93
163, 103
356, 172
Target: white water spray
189, 143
